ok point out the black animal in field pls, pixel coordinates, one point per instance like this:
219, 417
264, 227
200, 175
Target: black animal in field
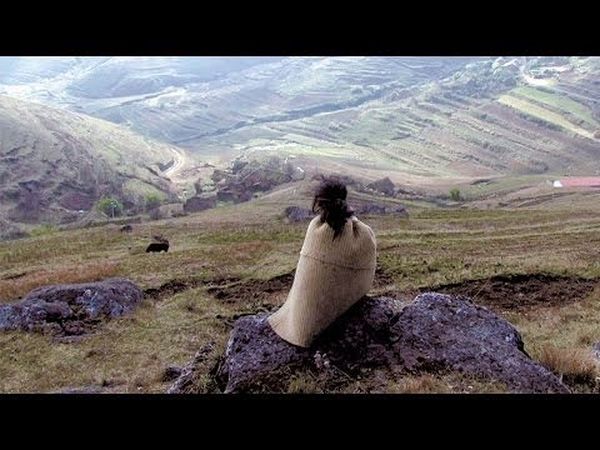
126, 229
161, 246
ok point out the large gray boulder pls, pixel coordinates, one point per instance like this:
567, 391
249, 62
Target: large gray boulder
71, 309
435, 333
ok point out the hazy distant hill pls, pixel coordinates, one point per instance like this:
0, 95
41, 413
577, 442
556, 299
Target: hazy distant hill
412, 119
54, 164
456, 117
182, 100
494, 117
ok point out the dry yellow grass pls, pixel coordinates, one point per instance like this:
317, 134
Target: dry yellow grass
304, 384
576, 364
130, 354
12, 289
424, 384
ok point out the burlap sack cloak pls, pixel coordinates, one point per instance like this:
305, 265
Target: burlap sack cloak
330, 277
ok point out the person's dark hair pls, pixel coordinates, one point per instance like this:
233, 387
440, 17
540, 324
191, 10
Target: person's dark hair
330, 203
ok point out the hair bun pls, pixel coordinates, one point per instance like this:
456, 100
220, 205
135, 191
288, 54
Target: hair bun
330, 203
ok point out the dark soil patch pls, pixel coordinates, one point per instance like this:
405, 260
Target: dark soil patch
521, 292
264, 294
270, 291
384, 284
581, 384
171, 373
263, 291
176, 286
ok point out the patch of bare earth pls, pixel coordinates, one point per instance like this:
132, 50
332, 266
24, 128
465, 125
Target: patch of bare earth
522, 292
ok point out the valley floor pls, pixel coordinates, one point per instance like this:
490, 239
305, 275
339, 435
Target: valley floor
239, 260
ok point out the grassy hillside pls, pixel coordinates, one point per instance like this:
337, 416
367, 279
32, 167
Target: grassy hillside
55, 163
250, 246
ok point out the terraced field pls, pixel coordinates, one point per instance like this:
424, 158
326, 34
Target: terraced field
445, 128
415, 118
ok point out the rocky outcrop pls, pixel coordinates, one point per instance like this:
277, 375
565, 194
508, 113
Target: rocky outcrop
297, 214
196, 204
348, 181
234, 193
371, 209
297, 174
244, 178
187, 375
71, 309
383, 186
435, 333
377, 209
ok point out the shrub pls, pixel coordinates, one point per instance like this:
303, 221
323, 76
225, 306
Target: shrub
455, 194
153, 201
110, 206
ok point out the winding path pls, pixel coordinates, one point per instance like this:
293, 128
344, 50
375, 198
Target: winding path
179, 161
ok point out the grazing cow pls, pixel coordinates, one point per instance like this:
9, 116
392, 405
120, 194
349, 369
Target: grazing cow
161, 246
157, 247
